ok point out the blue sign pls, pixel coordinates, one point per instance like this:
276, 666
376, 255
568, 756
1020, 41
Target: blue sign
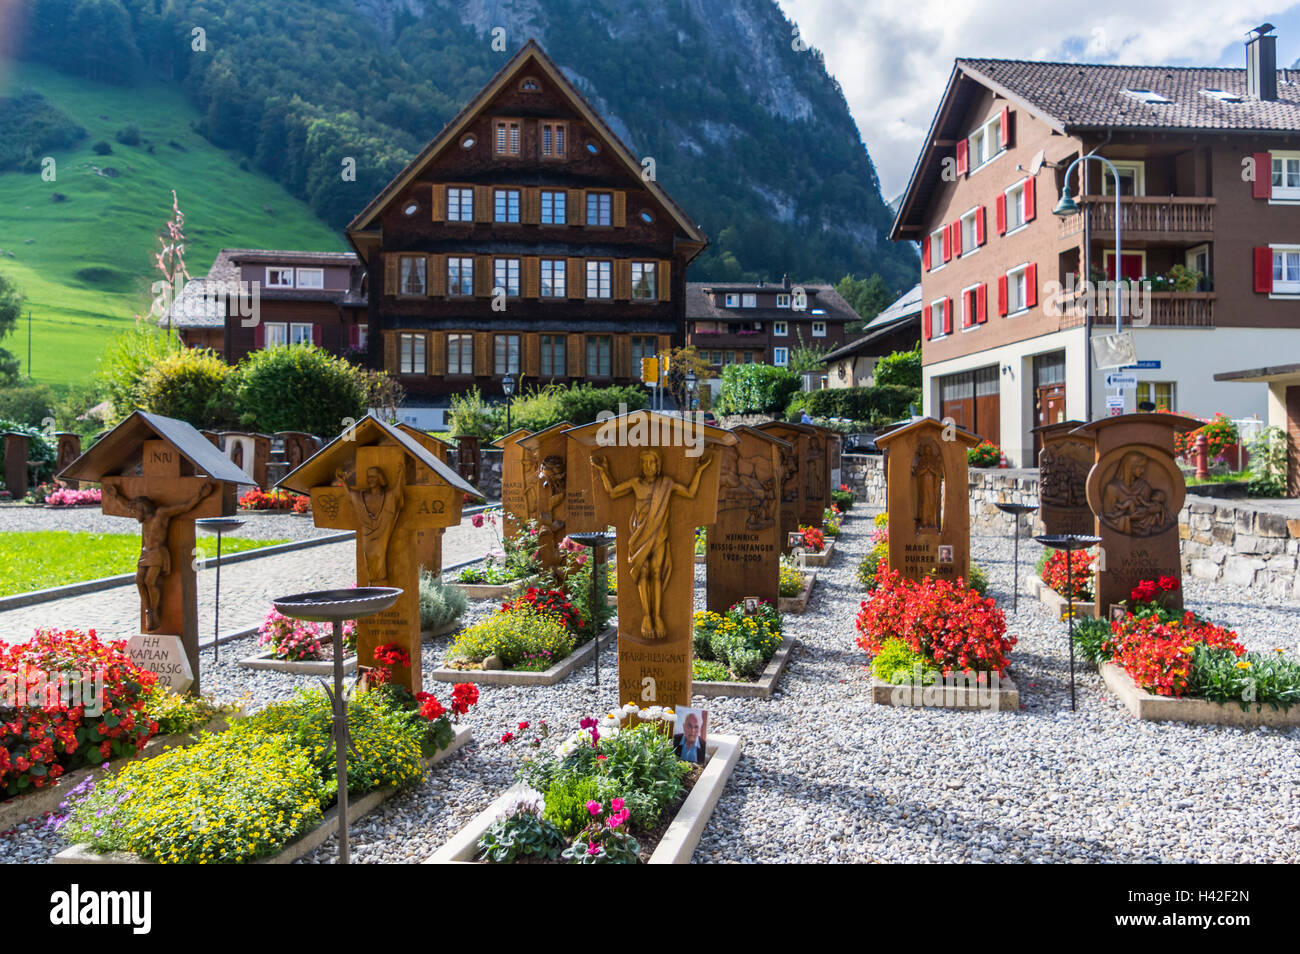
1149, 365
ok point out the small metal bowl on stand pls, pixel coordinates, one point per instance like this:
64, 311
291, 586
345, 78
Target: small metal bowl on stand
1016, 510
334, 606
1069, 542
219, 526
598, 541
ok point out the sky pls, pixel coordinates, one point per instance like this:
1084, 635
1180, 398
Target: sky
893, 58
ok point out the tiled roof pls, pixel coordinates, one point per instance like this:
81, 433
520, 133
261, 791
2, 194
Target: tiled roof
906, 309
273, 256
1091, 95
700, 307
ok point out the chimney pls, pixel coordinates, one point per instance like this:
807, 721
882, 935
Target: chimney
1261, 63
785, 281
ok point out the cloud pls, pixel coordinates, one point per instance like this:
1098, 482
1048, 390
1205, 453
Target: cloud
893, 58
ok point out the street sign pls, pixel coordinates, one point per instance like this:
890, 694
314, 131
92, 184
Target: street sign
1149, 364
1115, 403
1118, 379
1114, 350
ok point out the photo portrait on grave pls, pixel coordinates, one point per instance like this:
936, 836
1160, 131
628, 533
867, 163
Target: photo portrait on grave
945, 553
751, 605
690, 734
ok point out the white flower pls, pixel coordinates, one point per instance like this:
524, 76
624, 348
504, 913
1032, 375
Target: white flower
631, 709
528, 800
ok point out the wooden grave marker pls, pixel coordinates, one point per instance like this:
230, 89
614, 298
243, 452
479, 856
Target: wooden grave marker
514, 466
17, 447
743, 558
793, 466
69, 450
427, 543
546, 489
1063, 464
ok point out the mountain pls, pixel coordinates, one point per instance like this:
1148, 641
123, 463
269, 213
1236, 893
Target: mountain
746, 128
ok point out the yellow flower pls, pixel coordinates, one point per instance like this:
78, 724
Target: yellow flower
1244, 664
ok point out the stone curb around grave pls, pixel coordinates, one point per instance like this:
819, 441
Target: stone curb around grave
301, 847
489, 591
797, 604
675, 847
1150, 707
820, 559
297, 667
504, 677
1055, 602
761, 688
39, 801
1006, 698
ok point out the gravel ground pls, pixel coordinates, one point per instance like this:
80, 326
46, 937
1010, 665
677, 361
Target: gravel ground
828, 776
258, 525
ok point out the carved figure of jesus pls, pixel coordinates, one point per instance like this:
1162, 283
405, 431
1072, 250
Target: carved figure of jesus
376, 508
155, 556
647, 545
927, 479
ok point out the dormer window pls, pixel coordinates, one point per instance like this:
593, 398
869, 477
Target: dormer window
733, 300
783, 301
1222, 95
748, 301
311, 278
506, 139
279, 278
1150, 97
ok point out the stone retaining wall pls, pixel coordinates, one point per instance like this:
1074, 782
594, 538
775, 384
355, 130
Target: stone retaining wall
1253, 543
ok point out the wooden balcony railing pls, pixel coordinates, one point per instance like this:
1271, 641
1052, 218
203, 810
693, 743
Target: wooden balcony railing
1167, 310
1154, 215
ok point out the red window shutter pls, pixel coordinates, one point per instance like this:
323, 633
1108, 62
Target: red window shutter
259, 333
979, 226
947, 316
1031, 285
925, 323
1264, 269
967, 309
1030, 204
354, 336
1002, 295
925, 253
981, 303
316, 335
1000, 213
1262, 187
963, 156
1005, 133
947, 243
956, 237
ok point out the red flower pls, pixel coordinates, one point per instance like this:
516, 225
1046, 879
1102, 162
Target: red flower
523, 726
507, 737
463, 695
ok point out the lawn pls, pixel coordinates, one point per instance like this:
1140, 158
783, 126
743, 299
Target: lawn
85, 264
35, 561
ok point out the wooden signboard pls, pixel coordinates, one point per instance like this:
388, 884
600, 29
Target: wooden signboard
467, 454
654, 491
744, 553
514, 463
793, 481
360, 482
163, 474
1136, 490
929, 499
298, 446
1063, 465
546, 489
834, 465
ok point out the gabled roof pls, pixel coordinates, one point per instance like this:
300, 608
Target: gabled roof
318, 470
926, 423
120, 450
700, 306
906, 310
530, 57
534, 441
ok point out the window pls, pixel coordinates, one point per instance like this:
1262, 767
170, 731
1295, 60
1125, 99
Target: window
552, 278
1198, 260
599, 206
1221, 95
529, 85
1150, 97
599, 349
643, 346
1159, 393
507, 355
728, 357
749, 357
1132, 178
936, 249
970, 232
412, 354
469, 142
819, 329
715, 358
279, 278
1015, 207
506, 275
506, 142
460, 354
311, 278
647, 217
598, 284
1017, 289
506, 205
780, 329
410, 209
643, 280
985, 143
552, 356
733, 300
276, 334
460, 205
363, 337
411, 275
780, 357
553, 137
748, 301
553, 208
300, 333
783, 301
460, 276
1286, 271
1286, 175
937, 323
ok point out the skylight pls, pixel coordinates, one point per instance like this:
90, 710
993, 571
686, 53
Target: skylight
1147, 96
1221, 95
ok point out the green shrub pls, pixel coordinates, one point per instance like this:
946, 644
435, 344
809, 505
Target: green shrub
984, 454
879, 405
27, 404
102, 148
1090, 636
1268, 463
869, 565
900, 369
979, 580
896, 664
472, 416
843, 499
176, 714
440, 605
583, 403
523, 834
755, 389
128, 135
298, 388
514, 635
566, 802
1266, 679
709, 670
126, 360
742, 643
190, 386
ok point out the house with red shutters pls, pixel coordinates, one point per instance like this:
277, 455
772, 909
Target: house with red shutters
1206, 164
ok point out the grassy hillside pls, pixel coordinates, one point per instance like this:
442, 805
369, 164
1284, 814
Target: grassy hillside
85, 264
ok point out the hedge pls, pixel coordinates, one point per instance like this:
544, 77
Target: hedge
879, 405
755, 389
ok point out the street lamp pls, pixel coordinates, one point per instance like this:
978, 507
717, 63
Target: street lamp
1067, 206
508, 386
690, 391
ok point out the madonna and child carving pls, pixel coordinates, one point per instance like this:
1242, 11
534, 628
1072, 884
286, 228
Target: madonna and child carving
648, 559
375, 507
928, 486
1130, 504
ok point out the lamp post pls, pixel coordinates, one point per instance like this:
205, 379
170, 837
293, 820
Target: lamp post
508, 386
1067, 206
217, 525
690, 391
598, 541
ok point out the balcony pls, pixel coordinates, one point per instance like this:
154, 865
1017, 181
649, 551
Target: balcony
1167, 310
1144, 218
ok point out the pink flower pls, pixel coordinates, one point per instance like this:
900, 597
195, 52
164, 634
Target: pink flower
593, 807
477, 520
616, 804
593, 848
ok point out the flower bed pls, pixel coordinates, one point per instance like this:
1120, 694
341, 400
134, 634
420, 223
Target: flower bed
301, 648
798, 585
608, 794
74, 498
737, 646
1054, 573
276, 500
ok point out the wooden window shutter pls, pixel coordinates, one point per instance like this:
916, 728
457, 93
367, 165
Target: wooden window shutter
963, 156
435, 273
483, 204
665, 344
1031, 285
956, 238
622, 356
968, 308
665, 280
390, 352
1002, 295
1000, 213
925, 253
1262, 187
439, 203
575, 207
437, 353
1005, 132
575, 277
947, 243
1031, 205
532, 277
482, 353
622, 279
1264, 263
947, 316
925, 323
981, 303
532, 211
619, 209
483, 276
575, 356
979, 226
390, 273
532, 356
